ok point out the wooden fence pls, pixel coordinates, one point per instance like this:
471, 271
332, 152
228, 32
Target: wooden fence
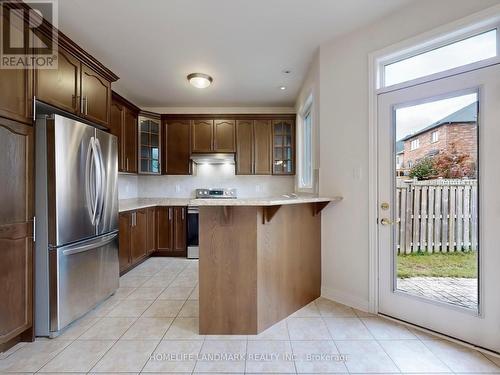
436, 216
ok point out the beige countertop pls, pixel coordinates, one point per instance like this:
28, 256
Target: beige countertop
138, 203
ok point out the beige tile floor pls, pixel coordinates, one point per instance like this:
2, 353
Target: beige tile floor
151, 326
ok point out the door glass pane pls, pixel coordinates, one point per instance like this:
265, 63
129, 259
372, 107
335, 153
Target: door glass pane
436, 199
478, 48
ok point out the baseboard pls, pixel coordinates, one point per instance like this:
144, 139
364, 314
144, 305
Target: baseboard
345, 298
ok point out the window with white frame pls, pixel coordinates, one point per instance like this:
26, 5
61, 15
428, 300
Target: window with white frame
305, 170
415, 144
456, 52
435, 136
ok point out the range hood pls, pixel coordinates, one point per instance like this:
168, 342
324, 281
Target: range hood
215, 158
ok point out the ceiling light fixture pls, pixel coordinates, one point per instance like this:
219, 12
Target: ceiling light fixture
200, 80
282, 88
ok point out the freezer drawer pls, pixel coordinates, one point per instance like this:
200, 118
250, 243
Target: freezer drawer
84, 274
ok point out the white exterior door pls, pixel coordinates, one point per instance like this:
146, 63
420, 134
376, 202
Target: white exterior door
439, 206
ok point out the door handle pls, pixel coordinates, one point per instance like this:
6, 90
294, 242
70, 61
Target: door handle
386, 221
102, 182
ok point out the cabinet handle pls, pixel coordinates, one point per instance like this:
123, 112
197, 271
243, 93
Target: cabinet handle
86, 105
182, 215
82, 105
170, 214
126, 165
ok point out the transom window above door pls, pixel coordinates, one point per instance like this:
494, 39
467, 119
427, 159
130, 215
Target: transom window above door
466, 50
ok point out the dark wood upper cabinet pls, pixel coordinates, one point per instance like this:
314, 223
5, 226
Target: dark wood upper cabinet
16, 235
283, 147
262, 149
176, 152
244, 147
60, 87
15, 88
202, 136
125, 222
253, 147
95, 96
130, 141
116, 120
123, 124
139, 235
165, 229
180, 228
224, 136
213, 135
149, 144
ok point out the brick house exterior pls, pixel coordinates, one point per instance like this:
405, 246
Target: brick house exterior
458, 129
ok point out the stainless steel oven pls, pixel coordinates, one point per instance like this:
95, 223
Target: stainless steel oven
193, 245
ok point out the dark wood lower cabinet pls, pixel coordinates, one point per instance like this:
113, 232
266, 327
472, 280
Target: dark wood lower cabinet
16, 234
154, 230
171, 231
139, 235
180, 228
151, 239
124, 241
164, 229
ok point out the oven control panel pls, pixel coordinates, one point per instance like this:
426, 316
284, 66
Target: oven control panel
216, 193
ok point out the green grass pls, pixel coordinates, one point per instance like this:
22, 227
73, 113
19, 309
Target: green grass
460, 264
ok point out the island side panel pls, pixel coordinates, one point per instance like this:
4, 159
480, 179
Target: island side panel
228, 270
288, 261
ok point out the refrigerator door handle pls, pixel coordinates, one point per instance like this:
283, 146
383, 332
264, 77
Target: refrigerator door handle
102, 181
90, 184
88, 245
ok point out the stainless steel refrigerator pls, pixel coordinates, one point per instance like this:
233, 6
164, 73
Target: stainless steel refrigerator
76, 221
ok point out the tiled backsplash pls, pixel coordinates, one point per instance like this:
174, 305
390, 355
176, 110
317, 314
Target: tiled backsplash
204, 176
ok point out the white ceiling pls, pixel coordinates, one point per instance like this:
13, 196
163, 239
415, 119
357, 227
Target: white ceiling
244, 44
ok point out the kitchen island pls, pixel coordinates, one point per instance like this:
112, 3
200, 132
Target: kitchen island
260, 259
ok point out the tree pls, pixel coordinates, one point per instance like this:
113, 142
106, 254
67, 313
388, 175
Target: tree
423, 169
454, 164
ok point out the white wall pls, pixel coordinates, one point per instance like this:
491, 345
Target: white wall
204, 176
344, 138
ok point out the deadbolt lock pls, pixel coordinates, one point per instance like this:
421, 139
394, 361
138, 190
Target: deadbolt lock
384, 206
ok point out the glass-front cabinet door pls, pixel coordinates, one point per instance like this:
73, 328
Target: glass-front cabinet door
283, 147
149, 145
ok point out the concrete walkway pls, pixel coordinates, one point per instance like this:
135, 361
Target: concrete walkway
457, 291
